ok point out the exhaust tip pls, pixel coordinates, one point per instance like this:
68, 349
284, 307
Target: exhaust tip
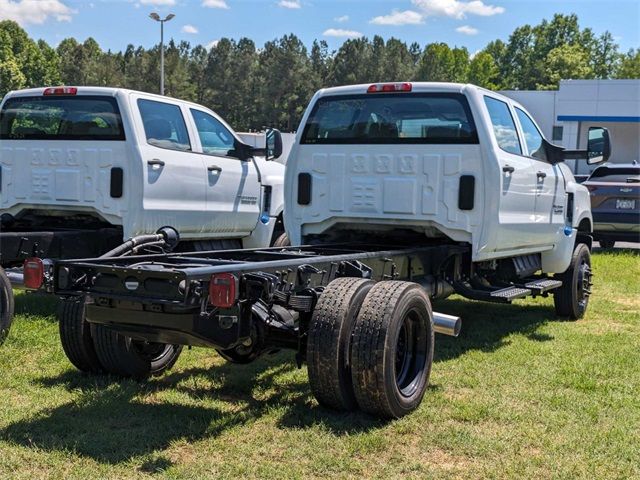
447, 324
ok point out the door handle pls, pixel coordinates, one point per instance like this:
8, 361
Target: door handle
214, 168
155, 163
541, 175
508, 169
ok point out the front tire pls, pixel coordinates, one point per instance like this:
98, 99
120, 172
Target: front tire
6, 306
572, 298
129, 358
282, 241
392, 349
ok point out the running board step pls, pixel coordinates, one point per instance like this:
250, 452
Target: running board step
533, 287
538, 287
510, 293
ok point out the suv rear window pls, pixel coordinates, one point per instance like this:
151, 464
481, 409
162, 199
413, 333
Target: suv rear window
82, 117
415, 118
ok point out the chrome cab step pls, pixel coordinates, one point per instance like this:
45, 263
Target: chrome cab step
541, 286
501, 294
510, 293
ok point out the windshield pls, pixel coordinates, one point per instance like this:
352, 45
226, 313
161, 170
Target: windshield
391, 119
61, 118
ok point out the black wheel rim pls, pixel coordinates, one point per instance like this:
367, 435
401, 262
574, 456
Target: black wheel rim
583, 284
410, 354
151, 351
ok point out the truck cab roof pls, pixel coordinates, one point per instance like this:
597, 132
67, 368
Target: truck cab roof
103, 91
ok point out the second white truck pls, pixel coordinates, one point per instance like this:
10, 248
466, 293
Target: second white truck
85, 168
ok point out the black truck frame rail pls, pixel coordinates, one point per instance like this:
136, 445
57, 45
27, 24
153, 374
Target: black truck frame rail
168, 298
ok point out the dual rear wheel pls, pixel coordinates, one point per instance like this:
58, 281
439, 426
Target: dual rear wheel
370, 346
99, 349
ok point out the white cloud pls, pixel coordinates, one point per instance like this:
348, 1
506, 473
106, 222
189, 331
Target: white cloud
396, 17
342, 19
159, 3
215, 4
457, 8
34, 11
189, 29
212, 44
467, 30
339, 32
289, 4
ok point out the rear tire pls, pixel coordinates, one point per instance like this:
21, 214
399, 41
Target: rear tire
606, 243
126, 357
75, 336
572, 298
329, 342
6, 306
392, 349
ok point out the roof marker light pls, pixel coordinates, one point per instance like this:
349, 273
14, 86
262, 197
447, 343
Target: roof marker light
60, 91
389, 87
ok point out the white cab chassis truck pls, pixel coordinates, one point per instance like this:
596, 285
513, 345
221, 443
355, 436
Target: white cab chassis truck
83, 169
399, 193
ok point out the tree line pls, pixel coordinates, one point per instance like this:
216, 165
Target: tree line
254, 87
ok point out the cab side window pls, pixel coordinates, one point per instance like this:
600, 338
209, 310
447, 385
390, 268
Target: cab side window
164, 125
215, 138
532, 136
504, 128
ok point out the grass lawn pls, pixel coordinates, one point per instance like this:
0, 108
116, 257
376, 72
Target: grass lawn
520, 394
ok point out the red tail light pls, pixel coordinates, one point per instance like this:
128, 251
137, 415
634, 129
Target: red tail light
389, 87
60, 91
223, 290
33, 273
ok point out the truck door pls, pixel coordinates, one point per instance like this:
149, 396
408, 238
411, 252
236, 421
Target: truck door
516, 209
549, 187
232, 185
174, 177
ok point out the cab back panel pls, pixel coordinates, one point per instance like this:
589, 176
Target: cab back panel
413, 185
62, 174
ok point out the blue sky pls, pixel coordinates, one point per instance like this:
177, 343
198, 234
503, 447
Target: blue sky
469, 23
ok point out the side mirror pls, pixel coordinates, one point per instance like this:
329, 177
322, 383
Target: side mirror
273, 144
598, 145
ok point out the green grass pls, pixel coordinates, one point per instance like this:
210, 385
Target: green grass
520, 394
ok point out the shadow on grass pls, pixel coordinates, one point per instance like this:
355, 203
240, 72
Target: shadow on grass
485, 326
110, 423
29, 303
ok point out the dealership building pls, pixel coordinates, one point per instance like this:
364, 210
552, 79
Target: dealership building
565, 115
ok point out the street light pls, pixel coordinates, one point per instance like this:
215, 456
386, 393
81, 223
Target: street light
156, 17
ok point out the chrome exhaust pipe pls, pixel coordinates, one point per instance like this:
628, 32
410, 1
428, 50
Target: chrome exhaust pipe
16, 278
446, 324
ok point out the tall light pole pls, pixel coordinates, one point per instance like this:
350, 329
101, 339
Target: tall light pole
156, 17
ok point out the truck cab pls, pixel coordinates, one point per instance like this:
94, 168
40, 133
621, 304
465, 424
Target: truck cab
432, 162
84, 168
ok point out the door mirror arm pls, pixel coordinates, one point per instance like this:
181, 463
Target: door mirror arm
598, 149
